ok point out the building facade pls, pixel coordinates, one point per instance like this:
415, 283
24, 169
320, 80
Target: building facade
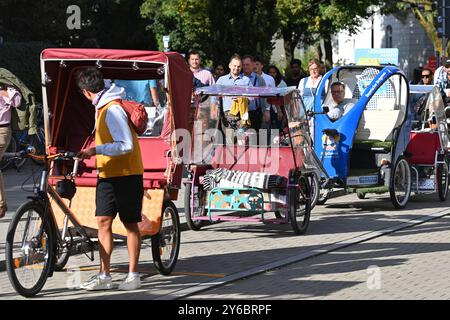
387, 32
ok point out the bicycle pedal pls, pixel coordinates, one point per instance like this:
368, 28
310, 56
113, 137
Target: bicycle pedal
90, 248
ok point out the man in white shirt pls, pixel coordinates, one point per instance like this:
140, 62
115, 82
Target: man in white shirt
268, 79
201, 74
340, 106
120, 170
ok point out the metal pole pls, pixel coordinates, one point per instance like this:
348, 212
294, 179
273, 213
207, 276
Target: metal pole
372, 32
444, 31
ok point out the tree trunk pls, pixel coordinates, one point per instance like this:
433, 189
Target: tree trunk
319, 51
288, 51
328, 52
289, 42
426, 21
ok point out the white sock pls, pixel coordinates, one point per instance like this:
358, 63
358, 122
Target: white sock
104, 276
133, 274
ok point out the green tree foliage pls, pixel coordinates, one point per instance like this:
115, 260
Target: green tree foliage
295, 18
426, 13
27, 27
113, 23
186, 22
218, 28
245, 27
303, 22
22, 20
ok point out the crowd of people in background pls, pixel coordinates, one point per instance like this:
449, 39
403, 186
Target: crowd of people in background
251, 70
439, 77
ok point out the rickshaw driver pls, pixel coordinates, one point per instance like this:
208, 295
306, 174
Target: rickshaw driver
341, 105
120, 177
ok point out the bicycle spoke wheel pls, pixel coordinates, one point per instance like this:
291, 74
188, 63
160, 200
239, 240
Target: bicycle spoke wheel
166, 244
29, 249
442, 180
400, 188
300, 205
314, 183
194, 206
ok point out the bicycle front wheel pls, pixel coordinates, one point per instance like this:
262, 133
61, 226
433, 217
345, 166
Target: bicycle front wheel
29, 249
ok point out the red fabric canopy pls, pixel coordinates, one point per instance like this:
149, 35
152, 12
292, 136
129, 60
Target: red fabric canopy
105, 54
73, 115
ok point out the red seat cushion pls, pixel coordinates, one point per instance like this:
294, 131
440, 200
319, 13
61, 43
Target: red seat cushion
256, 159
423, 147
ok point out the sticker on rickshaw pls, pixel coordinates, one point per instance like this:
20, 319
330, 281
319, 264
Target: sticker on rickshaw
330, 142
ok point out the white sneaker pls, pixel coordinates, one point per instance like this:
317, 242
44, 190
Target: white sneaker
131, 283
97, 282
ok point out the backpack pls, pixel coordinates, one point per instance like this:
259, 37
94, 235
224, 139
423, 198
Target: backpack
136, 113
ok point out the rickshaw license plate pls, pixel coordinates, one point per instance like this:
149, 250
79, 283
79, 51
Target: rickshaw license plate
362, 180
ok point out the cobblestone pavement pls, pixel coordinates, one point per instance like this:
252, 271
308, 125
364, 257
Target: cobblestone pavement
224, 250
413, 263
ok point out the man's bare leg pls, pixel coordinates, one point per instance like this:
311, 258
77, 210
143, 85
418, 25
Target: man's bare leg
106, 243
133, 244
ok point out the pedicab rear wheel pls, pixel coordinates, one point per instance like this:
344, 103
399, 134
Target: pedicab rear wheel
199, 203
400, 185
166, 243
300, 205
442, 180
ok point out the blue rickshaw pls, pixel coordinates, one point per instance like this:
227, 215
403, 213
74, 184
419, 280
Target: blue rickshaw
363, 151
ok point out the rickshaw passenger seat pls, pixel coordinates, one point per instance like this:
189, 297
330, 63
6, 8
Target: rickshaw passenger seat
377, 125
154, 158
423, 147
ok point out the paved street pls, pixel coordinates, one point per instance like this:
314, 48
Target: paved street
354, 249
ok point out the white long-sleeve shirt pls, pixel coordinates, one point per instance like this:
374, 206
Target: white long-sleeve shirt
117, 122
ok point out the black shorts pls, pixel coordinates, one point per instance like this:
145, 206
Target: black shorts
120, 194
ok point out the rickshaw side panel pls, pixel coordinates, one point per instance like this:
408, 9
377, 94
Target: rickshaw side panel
83, 206
277, 161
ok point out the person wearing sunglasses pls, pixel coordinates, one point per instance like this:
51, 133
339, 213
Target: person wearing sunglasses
339, 105
426, 77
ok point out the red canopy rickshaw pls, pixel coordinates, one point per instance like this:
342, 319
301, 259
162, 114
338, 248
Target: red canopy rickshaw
69, 122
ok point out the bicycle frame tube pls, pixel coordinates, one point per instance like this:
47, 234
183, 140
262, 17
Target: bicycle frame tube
68, 213
43, 192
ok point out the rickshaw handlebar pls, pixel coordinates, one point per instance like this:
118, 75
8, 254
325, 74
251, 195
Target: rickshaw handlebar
29, 152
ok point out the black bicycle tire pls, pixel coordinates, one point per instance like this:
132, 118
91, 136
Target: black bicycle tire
156, 242
192, 224
392, 188
46, 270
293, 194
442, 172
315, 189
